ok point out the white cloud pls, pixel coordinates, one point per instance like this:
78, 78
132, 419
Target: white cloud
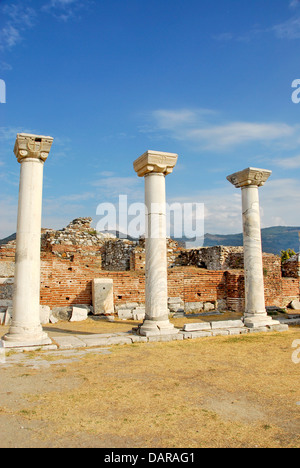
289, 29
279, 203
17, 19
65, 9
112, 186
196, 128
294, 3
288, 163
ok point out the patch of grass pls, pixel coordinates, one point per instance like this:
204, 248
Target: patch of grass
230, 391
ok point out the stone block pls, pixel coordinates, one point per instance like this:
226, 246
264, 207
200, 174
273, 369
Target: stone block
193, 307
221, 305
79, 314
8, 316
175, 300
45, 313
258, 329
295, 305
237, 331
280, 328
127, 305
2, 317
69, 342
219, 332
62, 313
103, 296
208, 306
7, 269
200, 334
53, 319
125, 314
139, 310
197, 326
227, 324
139, 316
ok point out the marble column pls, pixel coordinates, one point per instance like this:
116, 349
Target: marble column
26, 330
154, 166
249, 180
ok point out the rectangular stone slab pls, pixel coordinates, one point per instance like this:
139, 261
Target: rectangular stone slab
103, 296
227, 324
197, 326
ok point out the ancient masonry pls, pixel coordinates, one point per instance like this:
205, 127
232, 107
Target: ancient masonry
78, 270
199, 280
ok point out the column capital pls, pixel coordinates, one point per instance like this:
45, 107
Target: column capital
250, 176
32, 146
155, 162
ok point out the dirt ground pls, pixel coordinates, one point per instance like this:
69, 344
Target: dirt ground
235, 391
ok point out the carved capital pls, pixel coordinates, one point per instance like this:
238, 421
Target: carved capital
250, 176
155, 162
32, 146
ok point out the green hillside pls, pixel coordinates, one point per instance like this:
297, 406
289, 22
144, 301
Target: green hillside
274, 239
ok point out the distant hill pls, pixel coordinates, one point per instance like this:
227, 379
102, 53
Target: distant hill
8, 239
274, 239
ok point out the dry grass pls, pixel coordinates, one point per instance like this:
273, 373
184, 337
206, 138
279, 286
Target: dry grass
215, 392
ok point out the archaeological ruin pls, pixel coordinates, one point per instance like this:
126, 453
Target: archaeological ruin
79, 270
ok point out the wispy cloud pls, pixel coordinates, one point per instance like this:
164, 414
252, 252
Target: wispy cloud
65, 9
203, 130
18, 18
112, 186
288, 163
288, 29
294, 4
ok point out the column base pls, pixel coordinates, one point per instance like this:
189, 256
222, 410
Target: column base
154, 328
256, 321
17, 337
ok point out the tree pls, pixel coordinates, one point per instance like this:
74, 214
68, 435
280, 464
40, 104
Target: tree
286, 254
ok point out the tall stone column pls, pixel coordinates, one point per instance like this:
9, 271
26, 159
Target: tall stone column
154, 166
249, 180
26, 330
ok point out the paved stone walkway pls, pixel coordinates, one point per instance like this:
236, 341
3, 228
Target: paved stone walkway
189, 331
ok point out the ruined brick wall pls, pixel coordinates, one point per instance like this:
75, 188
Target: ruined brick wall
278, 291
291, 267
212, 258
73, 257
116, 255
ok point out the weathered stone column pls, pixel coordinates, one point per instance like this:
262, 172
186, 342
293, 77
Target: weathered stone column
26, 330
255, 309
154, 166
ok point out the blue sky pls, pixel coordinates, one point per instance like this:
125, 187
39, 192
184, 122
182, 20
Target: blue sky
207, 79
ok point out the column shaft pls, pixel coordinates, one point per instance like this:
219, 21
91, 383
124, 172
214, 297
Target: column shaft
253, 265
156, 250
26, 301
26, 329
154, 166
249, 180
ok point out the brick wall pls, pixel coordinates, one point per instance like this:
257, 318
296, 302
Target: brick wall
67, 272
291, 267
